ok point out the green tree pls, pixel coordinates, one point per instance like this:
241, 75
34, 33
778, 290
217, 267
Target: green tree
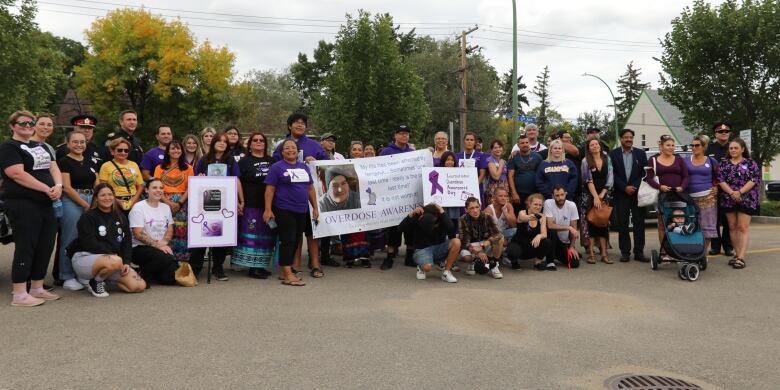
596, 118
723, 63
542, 92
629, 87
263, 100
308, 76
31, 63
141, 61
505, 100
370, 89
437, 62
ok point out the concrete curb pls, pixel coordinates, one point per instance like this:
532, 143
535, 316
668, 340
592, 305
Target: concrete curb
765, 220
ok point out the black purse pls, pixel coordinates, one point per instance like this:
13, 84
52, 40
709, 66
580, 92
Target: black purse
6, 232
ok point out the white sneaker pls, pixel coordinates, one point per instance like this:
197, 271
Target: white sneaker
420, 273
495, 273
470, 269
72, 285
447, 277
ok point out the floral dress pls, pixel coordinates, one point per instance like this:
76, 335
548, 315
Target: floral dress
736, 176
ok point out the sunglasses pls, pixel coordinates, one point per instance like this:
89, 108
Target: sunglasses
666, 137
723, 131
258, 140
26, 124
122, 150
695, 145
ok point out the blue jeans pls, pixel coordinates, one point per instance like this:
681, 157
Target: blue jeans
435, 252
71, 212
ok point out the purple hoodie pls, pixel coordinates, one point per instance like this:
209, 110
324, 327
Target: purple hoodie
308, 146
392, 148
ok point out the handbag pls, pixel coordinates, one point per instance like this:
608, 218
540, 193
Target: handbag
647, 195
127, 185
6, 232
600, 217
184, 275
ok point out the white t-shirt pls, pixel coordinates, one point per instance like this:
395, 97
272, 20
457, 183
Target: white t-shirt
561, 216
154, 220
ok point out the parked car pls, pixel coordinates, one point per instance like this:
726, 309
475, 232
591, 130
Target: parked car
772, 190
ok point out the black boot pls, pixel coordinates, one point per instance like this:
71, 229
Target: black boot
388, 262
409, 260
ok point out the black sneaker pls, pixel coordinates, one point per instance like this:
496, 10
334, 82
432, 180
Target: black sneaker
330, 263
220, 275
624, 258
349, 263
365, 263
728, 252
714, 252
551, 267
515, 264
387, 264
97, 289
641, 258
257, 273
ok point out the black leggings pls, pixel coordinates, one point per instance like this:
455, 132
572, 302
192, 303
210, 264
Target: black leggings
34, 226
217, 256
521, 251
291, 228
155, 264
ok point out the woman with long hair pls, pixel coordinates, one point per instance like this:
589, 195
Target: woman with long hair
703, 187
235, 148
530, 240
256, 239
666, 172
192, 149
220, 160
103, 249
174, 173
557, 170
739, 177
597, 180
497, 171
206, 135
151, 222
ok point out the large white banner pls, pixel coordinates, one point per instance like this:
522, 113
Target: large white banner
449, 187
367, 193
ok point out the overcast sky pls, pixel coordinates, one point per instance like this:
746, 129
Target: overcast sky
572, 37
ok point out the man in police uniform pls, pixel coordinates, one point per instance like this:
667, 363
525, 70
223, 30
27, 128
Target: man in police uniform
128, 123
84, 124
718, 149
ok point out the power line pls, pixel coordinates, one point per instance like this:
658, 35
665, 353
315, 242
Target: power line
570, 36
567, 47
574, 40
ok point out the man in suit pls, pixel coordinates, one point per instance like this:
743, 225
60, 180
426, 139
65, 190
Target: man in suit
628, 166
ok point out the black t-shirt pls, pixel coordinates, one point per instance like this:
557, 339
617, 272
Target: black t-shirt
82, 173
37, 160
91, 151
253, 171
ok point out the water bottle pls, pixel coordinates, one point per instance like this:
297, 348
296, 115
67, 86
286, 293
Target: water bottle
57, 205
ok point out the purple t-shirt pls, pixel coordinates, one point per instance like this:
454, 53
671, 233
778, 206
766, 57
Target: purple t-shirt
292, 186
464, 159
700, 177
152, 158
307, 146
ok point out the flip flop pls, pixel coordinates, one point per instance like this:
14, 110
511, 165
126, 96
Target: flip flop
316, 273
296, 283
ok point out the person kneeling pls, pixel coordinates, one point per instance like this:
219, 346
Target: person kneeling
530, 240
562, 219
152, 224
430, 226
102, 250
482, 241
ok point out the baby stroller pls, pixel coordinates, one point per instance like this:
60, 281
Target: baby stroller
685, 244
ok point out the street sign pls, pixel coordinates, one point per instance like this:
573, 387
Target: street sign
747, 136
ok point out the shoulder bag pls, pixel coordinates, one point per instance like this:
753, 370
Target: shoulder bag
647, 195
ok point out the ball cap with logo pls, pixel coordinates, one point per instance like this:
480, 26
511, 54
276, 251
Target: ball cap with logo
403, 128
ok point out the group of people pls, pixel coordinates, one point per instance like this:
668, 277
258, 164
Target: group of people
118, 214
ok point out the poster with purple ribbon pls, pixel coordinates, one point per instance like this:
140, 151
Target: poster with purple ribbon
449, 187
212, 211
357, 195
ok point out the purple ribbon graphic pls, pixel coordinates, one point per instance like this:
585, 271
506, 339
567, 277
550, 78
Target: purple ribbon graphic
433, 177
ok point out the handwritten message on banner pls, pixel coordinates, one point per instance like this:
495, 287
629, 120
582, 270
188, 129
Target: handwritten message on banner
367, 193
449, 187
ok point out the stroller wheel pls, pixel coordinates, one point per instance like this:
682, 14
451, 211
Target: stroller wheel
692, 272
654, 257
682, 274
704, 263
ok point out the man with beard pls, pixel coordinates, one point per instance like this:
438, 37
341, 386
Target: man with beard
522, 172
628, 165
155, 156
562, 218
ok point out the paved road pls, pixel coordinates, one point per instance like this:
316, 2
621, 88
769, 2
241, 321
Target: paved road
368, 329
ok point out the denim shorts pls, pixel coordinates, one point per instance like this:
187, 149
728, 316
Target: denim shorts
428, 255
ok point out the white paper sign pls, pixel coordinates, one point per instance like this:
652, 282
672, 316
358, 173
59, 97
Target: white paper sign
449, 187
367, 193
212, 211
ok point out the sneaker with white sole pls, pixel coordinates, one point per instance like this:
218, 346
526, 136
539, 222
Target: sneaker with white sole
72, 285
495, 273
470, 269
448, 277
420, 273
27, 301
97, 289
551, 267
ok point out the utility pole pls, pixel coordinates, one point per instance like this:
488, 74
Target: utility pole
464, 64
514, 69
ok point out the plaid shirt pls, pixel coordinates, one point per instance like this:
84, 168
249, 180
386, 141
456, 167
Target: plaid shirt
479, 229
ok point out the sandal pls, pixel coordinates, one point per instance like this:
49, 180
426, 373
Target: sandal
732, 261
316, 273
293, 282
591, 259
605, 259
738, 263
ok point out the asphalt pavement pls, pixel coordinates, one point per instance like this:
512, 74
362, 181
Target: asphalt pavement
370, 329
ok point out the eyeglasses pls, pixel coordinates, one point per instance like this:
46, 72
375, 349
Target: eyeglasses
695, 145
26, 124
122, 150
723, 131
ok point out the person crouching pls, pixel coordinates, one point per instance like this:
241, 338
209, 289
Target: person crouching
431, 227
482, 241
